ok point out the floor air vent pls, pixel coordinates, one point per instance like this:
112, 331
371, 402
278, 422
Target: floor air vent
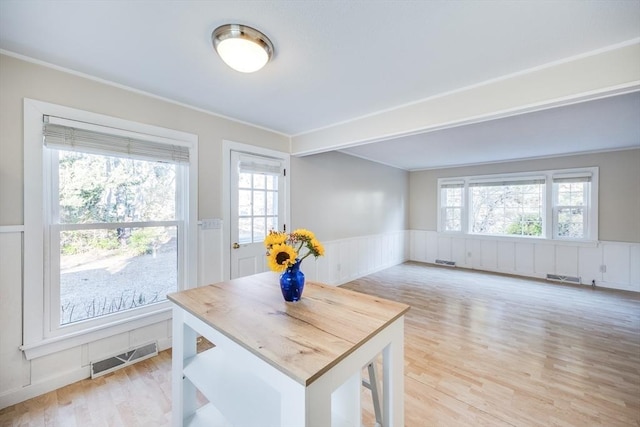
446, 263
110, 364
565, 279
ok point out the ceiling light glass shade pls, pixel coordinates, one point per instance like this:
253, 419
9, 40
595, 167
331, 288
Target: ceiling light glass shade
242, 48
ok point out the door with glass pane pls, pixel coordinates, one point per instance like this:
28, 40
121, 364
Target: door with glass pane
257, 206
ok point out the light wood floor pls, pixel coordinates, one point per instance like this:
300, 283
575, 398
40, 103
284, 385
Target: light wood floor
481, 350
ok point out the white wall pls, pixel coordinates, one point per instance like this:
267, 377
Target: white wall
338, 196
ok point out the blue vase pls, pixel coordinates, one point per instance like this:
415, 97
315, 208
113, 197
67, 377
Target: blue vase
292, 282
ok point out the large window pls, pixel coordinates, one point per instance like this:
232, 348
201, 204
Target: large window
546, 204
507, 207
451, 205
114, 227
571, 206
115, 230
111, 217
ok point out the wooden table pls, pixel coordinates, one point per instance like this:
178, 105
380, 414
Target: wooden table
278, 363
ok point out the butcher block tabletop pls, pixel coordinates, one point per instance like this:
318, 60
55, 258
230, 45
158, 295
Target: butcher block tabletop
303, 339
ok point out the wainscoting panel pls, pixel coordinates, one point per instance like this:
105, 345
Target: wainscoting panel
589, 261
616, 259
432, 246
209, 256
567, 260
611, 264
14, 370
349, 259
418, 245
474, 249
525, 258
544, 259
459, 251
507, 256
488, 254
634, 263
444, 249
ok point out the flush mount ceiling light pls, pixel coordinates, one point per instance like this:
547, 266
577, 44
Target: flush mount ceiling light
242, 48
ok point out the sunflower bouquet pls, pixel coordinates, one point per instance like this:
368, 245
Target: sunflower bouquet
284, 250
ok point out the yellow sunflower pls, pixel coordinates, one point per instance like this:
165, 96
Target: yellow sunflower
303, 235
281, 256
316, 248
275, 238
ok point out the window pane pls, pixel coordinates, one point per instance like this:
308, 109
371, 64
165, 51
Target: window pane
272, 203
244, 202
244, 230
570, 203
272, 182
259, 181
571, 193
453, 219
259, 229
259, 207
107, 271
451, 199
452, 196
570, 223
272, 223
511, 209
244, 180
98, 188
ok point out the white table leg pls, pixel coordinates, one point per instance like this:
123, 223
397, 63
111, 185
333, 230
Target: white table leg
183, 393
393, 377
318, 398
346, 401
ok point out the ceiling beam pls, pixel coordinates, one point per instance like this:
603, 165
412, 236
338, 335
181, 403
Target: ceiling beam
606, 72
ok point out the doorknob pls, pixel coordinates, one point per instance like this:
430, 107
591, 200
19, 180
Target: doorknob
236, 246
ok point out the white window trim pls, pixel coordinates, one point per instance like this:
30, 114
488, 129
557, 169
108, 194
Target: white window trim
548, 223
36, 339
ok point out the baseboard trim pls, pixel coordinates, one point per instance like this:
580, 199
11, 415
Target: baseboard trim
12, 397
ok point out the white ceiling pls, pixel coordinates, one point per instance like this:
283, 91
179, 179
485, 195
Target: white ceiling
604, 124
339, 60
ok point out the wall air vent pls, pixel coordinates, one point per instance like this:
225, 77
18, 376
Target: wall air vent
564, 279
110, 364
445, 263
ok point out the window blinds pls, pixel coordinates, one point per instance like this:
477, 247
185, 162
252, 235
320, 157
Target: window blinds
506, 182
261, 165
452, 184
572, 177
68, 137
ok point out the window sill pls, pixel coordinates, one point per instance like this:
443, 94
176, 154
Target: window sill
52, 345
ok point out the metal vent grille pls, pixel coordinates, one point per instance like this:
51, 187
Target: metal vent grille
110, 364
565, 279
446, 263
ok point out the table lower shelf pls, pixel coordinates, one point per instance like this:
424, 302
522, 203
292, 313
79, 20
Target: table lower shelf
240, 397
207, 416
